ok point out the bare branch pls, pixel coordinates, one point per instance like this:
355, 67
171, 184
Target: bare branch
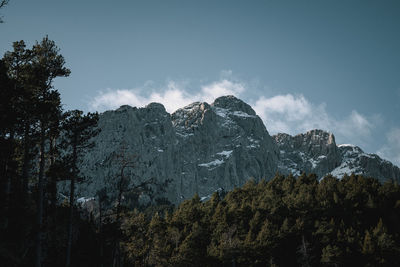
3, 3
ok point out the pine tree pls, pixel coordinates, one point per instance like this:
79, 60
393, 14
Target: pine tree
386, 249
77, 130
47, 64
135, 245
13, 96
368, 247
156, 234
331, 255
102, 201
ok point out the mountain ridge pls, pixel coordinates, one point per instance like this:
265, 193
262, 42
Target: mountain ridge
202, 148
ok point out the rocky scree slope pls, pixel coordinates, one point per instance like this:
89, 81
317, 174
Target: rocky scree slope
203, 148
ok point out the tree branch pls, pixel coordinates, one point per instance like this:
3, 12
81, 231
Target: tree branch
3, 3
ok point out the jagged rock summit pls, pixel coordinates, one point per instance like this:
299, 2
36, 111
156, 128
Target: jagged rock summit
202, 148
316, 152
221, 145
312, 152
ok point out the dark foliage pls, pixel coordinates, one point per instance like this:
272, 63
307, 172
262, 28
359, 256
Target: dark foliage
354, 221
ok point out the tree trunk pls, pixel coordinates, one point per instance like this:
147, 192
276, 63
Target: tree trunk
101, 233
25, 166
8, 176
7, 194
39, 218
52, 183
116, 254
71, 202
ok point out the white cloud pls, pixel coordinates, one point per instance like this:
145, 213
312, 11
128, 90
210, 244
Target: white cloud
391, 150
217, 89
295, 114
173, 97
289, 113
355, 126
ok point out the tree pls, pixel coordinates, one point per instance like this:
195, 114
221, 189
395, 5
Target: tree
384, 249
102, 199
14, 70
77, 130
156, 234
18, 110
331, 255
3, 3
304, 252
135, 243
47, 64
126, 162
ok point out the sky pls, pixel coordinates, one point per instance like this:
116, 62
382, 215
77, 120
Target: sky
332, 65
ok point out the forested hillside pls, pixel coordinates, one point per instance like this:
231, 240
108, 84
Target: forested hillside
283, 222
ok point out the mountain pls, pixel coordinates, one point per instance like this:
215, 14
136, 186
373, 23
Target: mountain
316, 152
221, 145
203, 148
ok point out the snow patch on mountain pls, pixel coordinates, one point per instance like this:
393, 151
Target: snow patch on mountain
212, 163
226, 154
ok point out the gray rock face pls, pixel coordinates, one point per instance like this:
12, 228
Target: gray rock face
316, 152
354, 160
201, 148
143, 136
221, 146
204, 148
312, 152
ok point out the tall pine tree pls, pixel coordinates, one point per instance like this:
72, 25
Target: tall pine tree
47, 64
77, 130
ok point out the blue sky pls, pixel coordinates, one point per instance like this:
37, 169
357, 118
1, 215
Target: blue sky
301, 64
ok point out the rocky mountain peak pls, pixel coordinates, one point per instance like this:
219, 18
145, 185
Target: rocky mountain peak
191, 118
314, 151
316, 142
355, 160
215, 140
156, 107
125, 108
350, 149
320, 136
232, 103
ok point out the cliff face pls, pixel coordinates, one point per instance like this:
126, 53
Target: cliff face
203, 148
355, 160
316, 152
221, 145
200, 148
143, 137
312, 152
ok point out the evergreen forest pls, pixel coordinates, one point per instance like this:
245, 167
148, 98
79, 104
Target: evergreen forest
283, 221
